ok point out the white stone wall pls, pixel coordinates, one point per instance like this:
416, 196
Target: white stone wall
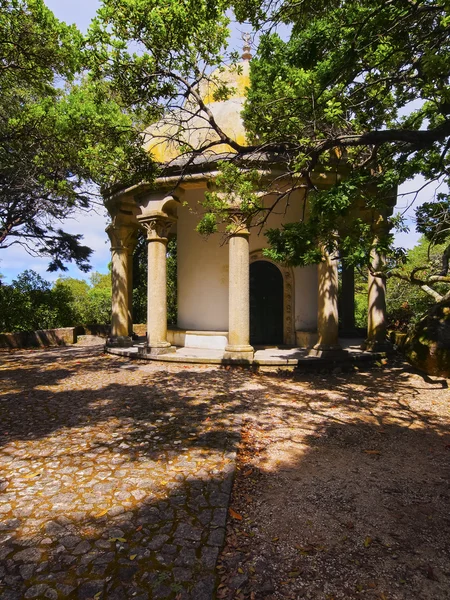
306, 298
203, 269
202, 272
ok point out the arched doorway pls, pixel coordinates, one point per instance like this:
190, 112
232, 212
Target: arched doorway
266, 304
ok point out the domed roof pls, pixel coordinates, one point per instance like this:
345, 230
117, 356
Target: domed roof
190, 128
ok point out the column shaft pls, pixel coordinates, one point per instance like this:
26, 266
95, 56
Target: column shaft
327, 313
239, 298
376, 295
157, 228
157, 293
130, 289
119, 316
121, 236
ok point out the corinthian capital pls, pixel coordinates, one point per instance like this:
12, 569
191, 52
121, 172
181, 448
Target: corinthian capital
239, 222
157, 228
122, 237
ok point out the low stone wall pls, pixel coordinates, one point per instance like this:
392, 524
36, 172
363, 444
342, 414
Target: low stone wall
43, 337
98, 330
51, 337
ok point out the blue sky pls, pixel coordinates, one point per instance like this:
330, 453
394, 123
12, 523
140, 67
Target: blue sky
15, 260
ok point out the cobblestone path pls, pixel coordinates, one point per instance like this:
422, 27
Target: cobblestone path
114, 476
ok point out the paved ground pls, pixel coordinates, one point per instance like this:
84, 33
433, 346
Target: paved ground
114, 477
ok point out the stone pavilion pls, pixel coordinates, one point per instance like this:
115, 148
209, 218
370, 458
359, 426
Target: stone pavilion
230, 296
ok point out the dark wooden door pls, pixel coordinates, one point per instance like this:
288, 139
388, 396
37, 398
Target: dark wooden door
266, 304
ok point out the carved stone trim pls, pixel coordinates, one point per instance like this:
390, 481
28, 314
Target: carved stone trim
288, 297
122, 237
157, 228
239, 222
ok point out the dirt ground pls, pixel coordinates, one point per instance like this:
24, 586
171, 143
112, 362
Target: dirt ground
342, 489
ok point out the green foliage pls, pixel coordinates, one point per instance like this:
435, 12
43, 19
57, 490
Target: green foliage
140, 281
433, 220
152, 50
294, 244
88, 304
236, 191
31, 303
172, 289
407, 303
361, 87
61, 136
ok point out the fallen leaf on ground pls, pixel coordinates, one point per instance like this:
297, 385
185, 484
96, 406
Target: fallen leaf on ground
234, 514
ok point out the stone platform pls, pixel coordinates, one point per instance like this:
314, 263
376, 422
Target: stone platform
266, 357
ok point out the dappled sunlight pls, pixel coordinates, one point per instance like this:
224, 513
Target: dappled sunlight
115, 480
342, 489
116, 475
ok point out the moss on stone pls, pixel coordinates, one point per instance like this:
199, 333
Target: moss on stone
427, 347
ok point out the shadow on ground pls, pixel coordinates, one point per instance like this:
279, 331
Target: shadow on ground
116, 478
343, 489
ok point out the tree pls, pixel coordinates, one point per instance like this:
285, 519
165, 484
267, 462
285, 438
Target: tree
359, 87
30, 303
61, 135
88, 303
359, 84
406, 302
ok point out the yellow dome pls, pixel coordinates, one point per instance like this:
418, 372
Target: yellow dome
236, 78
183, 130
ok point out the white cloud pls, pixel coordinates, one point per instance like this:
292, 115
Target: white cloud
15, 260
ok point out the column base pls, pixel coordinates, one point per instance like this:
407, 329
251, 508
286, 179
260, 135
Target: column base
156, 349
377, 346
239, 352
324, 351
119, 341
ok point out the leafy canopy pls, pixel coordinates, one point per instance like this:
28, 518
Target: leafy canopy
61, 135
365, 83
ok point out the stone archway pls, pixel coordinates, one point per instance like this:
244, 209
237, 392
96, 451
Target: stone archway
288, 296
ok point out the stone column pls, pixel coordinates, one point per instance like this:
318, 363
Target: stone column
239, 293
120, 236
376, 314
327, 314
157, 228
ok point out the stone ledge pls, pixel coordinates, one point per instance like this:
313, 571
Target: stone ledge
39, 338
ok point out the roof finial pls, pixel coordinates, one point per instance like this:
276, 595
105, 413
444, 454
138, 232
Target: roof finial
246, 54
